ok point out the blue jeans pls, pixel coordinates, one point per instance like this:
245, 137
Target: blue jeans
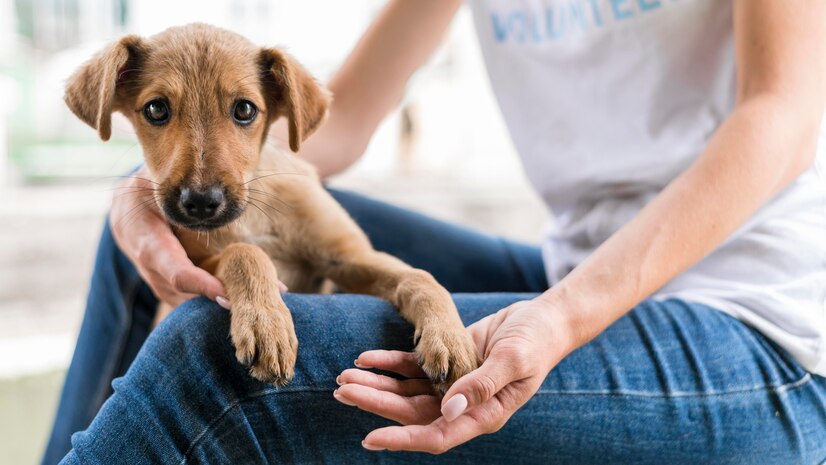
671, 382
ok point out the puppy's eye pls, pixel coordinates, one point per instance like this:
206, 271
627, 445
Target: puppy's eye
156, 112
244, 112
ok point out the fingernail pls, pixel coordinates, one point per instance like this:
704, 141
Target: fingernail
356, 363
342, 399
369, 447
338, 380
224, 302
454, 407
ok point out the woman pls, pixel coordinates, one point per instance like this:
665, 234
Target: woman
675, 312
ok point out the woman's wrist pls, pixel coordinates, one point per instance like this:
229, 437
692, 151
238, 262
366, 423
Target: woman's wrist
562, 315
554, 319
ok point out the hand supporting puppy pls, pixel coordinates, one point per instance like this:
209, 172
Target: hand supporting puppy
520, 343
144, 235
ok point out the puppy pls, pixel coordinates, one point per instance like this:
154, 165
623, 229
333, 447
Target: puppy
201, 100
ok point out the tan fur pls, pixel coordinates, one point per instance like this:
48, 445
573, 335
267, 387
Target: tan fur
290, 229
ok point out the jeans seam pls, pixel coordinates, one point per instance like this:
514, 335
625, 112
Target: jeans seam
240, 401
129, 295
297, 390
682, 394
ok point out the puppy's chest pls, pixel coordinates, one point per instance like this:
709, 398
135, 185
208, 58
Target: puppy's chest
271, 239
293, 268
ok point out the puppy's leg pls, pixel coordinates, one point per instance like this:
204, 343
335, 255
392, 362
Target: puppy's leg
261, 326
445, 348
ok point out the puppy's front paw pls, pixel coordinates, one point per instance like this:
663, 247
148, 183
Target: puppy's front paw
265, 342
446, 353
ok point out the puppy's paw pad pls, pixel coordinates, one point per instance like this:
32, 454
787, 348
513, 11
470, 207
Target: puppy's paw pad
446, 354
265, 343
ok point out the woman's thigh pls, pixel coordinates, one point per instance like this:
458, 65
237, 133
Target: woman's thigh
669, 383
460, 258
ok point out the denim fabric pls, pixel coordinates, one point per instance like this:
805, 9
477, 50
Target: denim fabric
670, 382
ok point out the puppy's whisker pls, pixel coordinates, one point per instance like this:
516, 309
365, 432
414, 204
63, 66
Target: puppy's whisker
260, 209
269, 195
138, 205
131, 187
261, 202
273, 174
121, 194
132, 213
137, 213
132, 190
133, 177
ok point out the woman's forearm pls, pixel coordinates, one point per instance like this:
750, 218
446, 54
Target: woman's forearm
762, 147
372, 79
768, 140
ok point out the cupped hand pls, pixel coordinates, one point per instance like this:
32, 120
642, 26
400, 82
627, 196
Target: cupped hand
144, 235
520, 343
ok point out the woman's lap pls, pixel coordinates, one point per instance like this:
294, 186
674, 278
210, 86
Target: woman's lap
669, 383
681, 380
120, 307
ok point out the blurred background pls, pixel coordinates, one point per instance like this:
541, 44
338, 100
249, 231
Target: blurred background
445, 152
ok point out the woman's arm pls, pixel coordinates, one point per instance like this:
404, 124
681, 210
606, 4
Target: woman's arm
372, 79
768, 140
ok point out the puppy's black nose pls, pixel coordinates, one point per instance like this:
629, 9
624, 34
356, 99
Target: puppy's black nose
201, 204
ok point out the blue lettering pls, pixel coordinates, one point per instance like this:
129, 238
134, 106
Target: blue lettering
500, 31
516, 25
619, 13
648, 5
576, 16
565, 17
533, 28
597, 15
553, 32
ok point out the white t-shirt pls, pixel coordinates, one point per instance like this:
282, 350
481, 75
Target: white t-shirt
607, 101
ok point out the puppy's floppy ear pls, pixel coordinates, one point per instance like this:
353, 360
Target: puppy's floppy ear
91, 92
292, 92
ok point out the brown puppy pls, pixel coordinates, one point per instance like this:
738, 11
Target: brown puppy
201, 100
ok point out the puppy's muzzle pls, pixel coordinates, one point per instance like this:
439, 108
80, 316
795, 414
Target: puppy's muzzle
201, 204
201, 208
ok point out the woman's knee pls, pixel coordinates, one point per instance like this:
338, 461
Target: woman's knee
192, 339
332, 330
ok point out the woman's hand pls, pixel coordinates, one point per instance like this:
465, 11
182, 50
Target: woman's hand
520, 343
144, 235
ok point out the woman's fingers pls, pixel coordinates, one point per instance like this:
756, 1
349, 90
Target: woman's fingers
402, 387
434, 438
163, 253
163, 291
419, 409
396, 361
189, 279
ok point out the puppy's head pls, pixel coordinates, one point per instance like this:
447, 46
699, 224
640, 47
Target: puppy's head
201, 100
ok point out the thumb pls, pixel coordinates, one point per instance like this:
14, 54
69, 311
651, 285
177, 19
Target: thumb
193, 280
477, 387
